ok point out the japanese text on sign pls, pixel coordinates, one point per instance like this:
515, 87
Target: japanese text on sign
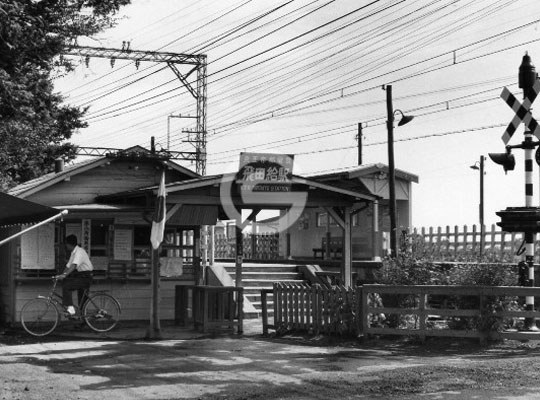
263, 172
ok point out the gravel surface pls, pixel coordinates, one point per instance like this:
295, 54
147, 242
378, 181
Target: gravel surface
190, 365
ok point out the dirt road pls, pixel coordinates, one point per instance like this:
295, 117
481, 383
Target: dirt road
194, 366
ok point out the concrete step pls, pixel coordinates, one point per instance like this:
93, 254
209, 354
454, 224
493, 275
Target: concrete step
269, 276
267, 283
256, 297
262, 276
263, 267
254, 290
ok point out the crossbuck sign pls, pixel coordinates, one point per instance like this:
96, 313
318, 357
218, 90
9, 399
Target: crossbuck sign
523, 112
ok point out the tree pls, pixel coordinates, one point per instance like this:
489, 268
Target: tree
35, 124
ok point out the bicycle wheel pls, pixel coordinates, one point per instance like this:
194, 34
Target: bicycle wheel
101, 312
39, 317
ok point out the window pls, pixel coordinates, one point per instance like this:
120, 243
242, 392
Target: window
141, 241
322, 218
100, 238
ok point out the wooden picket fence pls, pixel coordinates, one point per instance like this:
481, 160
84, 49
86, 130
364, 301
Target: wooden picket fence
312, 308
362, 310
264, 246
462, 243
420, 308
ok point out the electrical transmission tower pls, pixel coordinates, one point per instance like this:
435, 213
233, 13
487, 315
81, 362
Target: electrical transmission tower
198, 90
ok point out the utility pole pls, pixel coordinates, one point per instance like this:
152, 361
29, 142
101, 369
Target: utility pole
391, 172
359, 138
391, 167
479, 166
481, 206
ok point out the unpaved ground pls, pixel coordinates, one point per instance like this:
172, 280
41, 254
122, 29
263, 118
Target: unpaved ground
79, 366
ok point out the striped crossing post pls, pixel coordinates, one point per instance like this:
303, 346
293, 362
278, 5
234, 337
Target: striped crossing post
529, 83
529, 235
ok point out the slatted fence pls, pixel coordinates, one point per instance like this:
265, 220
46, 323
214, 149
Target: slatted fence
263, 246
312, 308
367, 310
459, 243
419, 308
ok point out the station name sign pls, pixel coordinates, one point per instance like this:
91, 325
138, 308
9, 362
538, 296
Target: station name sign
265, 172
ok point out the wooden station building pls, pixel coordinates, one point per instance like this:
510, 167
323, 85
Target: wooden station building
111, 200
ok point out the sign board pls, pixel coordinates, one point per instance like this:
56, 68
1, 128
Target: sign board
37, 248
523, 112
265, 172
123, 244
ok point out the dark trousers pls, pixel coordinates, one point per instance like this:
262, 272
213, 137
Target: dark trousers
79, 281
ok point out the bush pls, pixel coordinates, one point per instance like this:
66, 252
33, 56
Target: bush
407, 269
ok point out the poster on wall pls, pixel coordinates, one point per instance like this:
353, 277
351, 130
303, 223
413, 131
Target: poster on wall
37, 248
170, 266
123, 244
86, 234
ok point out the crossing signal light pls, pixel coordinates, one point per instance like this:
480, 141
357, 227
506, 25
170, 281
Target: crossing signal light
507, 160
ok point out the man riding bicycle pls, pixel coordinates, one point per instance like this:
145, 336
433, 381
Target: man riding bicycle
76, 276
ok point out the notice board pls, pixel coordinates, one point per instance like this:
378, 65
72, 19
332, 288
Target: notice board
123, 244
37, 248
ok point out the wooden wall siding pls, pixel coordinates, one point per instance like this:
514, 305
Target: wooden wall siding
116, 177
7, 258
306, 235
134, 297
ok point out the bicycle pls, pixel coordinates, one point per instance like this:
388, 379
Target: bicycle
40, 316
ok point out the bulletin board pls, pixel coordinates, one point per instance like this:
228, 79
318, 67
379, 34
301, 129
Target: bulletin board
123, 244
37, 248
170, 266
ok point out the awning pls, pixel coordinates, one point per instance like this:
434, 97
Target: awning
14, 210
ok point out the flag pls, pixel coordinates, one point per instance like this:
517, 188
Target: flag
158, 221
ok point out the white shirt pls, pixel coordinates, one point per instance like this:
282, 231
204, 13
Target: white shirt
80, 258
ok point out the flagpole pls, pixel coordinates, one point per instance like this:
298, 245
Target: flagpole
156, 237
154, 331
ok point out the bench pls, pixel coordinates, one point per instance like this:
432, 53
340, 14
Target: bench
336, 248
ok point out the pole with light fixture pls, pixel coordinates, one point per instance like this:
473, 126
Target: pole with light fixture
391, 167
480, 167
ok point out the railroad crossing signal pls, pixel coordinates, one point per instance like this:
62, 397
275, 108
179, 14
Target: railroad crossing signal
523, 112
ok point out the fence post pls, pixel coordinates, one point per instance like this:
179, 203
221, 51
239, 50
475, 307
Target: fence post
316, 308
481, 306
503, 243
422, 316
465, 247
447, 240
264, 310
439, 239
278, 317
456, 240
364, 314
285, 307
493, 238
474, 233
359, 311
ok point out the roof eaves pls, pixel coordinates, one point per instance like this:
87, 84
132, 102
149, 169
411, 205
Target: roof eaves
28, 188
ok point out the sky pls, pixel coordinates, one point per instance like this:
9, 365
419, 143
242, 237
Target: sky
298, 76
